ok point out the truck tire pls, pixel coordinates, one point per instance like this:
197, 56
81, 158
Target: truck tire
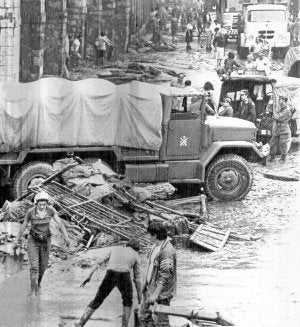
228, 178
29, 175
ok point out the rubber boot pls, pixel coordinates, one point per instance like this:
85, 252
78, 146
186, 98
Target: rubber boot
126, 316
34, 285
283, 158
85, 317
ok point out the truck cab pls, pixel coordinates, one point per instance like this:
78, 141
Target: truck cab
207, 150
267, 21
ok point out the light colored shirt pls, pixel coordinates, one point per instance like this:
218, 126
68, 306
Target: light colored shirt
76, 45
122, 259
263, 65
101, 43
154, 253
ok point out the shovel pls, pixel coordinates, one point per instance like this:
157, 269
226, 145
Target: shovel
190, 314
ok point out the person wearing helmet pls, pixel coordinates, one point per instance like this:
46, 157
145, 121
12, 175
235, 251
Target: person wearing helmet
39, 239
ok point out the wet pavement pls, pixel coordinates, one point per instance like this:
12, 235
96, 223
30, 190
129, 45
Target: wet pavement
254, 283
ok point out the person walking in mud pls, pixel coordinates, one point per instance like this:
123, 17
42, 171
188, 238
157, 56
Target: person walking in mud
281, 133
39, 239
161, 277
121, 260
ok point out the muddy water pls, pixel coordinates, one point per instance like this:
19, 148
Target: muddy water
253, 283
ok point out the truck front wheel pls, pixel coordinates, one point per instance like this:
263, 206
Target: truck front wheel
29, 175
228, 178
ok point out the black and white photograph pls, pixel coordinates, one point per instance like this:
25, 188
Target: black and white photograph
149, 163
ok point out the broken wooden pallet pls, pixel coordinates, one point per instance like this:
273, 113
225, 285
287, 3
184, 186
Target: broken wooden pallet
209, 237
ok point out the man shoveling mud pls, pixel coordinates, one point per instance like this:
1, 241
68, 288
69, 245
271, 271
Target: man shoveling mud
121, 261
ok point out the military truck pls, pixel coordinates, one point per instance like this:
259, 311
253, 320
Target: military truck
131, 128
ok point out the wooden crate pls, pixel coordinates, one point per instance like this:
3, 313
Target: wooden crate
209, 237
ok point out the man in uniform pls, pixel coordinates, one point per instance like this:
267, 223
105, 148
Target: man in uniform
281, 133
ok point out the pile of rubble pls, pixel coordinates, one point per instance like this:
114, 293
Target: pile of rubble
95, 205
142, 45
139, 71
100, 208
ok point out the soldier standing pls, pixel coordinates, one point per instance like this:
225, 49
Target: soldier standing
281, 133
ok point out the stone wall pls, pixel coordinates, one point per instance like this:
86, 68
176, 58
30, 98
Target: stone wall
55, 33
33, 20
45, 24
9, 40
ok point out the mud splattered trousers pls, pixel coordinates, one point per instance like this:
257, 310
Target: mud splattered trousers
156, 320
38, 256
283, 141
112, 279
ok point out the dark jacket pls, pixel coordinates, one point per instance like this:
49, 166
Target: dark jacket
281, 121
220, 41
189, 36
246, 111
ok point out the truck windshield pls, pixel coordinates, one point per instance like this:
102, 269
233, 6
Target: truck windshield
266, 16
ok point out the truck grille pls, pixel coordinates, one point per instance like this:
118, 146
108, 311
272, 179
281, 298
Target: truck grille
266, 34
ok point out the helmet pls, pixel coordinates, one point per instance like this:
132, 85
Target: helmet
41, 196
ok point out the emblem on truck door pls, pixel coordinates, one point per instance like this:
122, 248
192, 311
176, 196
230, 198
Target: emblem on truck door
183, 141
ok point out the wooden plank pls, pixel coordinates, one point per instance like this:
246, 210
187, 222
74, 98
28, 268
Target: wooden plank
225, 239
202, 238
214, 229
196, 232
210, 238
207, 246
213, 235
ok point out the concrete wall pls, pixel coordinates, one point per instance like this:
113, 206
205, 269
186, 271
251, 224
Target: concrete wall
9, 40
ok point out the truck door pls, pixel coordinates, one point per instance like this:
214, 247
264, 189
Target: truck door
183, 140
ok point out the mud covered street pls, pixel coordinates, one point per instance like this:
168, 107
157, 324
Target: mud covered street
253, 283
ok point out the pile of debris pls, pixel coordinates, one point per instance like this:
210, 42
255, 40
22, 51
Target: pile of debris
142, 45
100, 208
144, 72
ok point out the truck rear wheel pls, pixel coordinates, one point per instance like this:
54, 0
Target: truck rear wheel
29, 175
228, 178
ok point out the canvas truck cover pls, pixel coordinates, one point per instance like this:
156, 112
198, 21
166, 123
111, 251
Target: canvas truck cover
291, 57
54, 112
